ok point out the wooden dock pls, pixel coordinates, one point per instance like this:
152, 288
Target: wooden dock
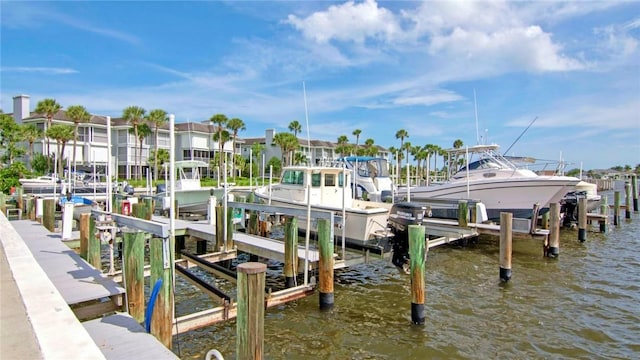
86, 292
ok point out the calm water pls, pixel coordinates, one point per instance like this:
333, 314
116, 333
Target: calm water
585, 304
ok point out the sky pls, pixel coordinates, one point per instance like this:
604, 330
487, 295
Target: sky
481, 72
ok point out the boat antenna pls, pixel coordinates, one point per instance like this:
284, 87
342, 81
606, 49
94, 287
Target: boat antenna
522, 133
306, 116
475, 106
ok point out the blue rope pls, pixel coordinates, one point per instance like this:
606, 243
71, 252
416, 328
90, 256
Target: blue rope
152, 301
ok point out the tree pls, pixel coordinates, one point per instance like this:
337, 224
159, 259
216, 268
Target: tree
407, 148
159, 160
256, 151
31, 133
134, 116
235, 125
143, 131
221, 137
295, 127
369, 148
158, 118
458, 144
10, 138
401, 134
287, 142
78, 114
10, 175
299, 158
275, 164
357, 133
220, 120
343, 146
62, 134
48, 107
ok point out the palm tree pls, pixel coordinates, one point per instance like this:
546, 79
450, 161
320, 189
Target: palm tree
221, 137
401, 134
407, 148
158, 118
342, 147
31, 133
295, 127
369, 148
357, 133
143, 131
48, 107
78, 114
235, 125
134, 116
61, 134
220, 120
287, 142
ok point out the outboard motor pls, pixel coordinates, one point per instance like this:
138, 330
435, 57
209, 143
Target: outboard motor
129, 190
161, 188
400, 217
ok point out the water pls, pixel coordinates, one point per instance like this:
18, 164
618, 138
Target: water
585, 304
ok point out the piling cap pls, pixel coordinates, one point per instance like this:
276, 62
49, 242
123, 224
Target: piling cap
252, 268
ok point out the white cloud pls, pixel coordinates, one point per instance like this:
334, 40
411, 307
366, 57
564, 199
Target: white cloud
350, 21
42, 70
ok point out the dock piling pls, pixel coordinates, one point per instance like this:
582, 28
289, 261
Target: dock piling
616, 208
554, 231
418, 258
162, 315
84, 235
634, 190
463, 213
134, 273
219, 228
49, 214
93, 245
250, 305
506, 235
627, 200
582, 219
604, 210
290, 251
325, 266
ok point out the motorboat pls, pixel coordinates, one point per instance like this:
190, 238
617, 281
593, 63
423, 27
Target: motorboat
494, 180
81, 205
326, 188
39, 181
191, 197
569, 203
370, 180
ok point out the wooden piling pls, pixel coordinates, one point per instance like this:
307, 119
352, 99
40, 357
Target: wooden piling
250, 308
229, 240
545, 221
30, 208
616, 208
49, 214
582, 219
506, 245
93, 245
134, 273
325, 266
117, 205
554, 231
84, 235
463, 213
219, 227
627, 200
604, 210
150, 205
418, 257
162, 314
634, 191
290, 251
253, 223
19, 199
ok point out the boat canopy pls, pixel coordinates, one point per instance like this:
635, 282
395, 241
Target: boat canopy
183, 164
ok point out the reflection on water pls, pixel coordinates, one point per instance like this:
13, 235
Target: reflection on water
582, 305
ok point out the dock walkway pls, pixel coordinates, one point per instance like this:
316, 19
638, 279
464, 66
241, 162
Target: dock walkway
42, 280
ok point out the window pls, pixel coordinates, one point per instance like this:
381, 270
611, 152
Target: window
293, 177
315, 180
329, 180
341, 180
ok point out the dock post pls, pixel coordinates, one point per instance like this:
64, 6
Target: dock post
141, 211
627, 200
634, 190
176, 206
545, 221
30, 208
250, 307
84, 235
149, 204
211, 210
117, 205
418, 257
616, 208
229, 240
604, 210
506, 245
93, 245
290, 251
582, 219
67, 220
554, 231
253, 223
463, 213
325, 266
219, 228
49, 214
134, 273
19, 199
161, 259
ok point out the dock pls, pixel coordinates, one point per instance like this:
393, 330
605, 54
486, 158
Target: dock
52, 291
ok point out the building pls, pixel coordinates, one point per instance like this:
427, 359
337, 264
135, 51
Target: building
194, 141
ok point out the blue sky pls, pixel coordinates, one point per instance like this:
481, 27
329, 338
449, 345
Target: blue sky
375, 66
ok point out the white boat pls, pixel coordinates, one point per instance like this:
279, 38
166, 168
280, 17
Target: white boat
191, 196
497, 182
570, 201
324, 188
39, 181
371, 181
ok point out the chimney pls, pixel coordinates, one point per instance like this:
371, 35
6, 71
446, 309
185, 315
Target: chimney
20, 108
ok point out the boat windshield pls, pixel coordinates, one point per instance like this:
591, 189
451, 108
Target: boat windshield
369, 167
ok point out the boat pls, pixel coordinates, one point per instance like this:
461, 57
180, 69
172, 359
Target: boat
569, 203
192, 198
39, 181
494, 180
371, 181
81, 205
324, 188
